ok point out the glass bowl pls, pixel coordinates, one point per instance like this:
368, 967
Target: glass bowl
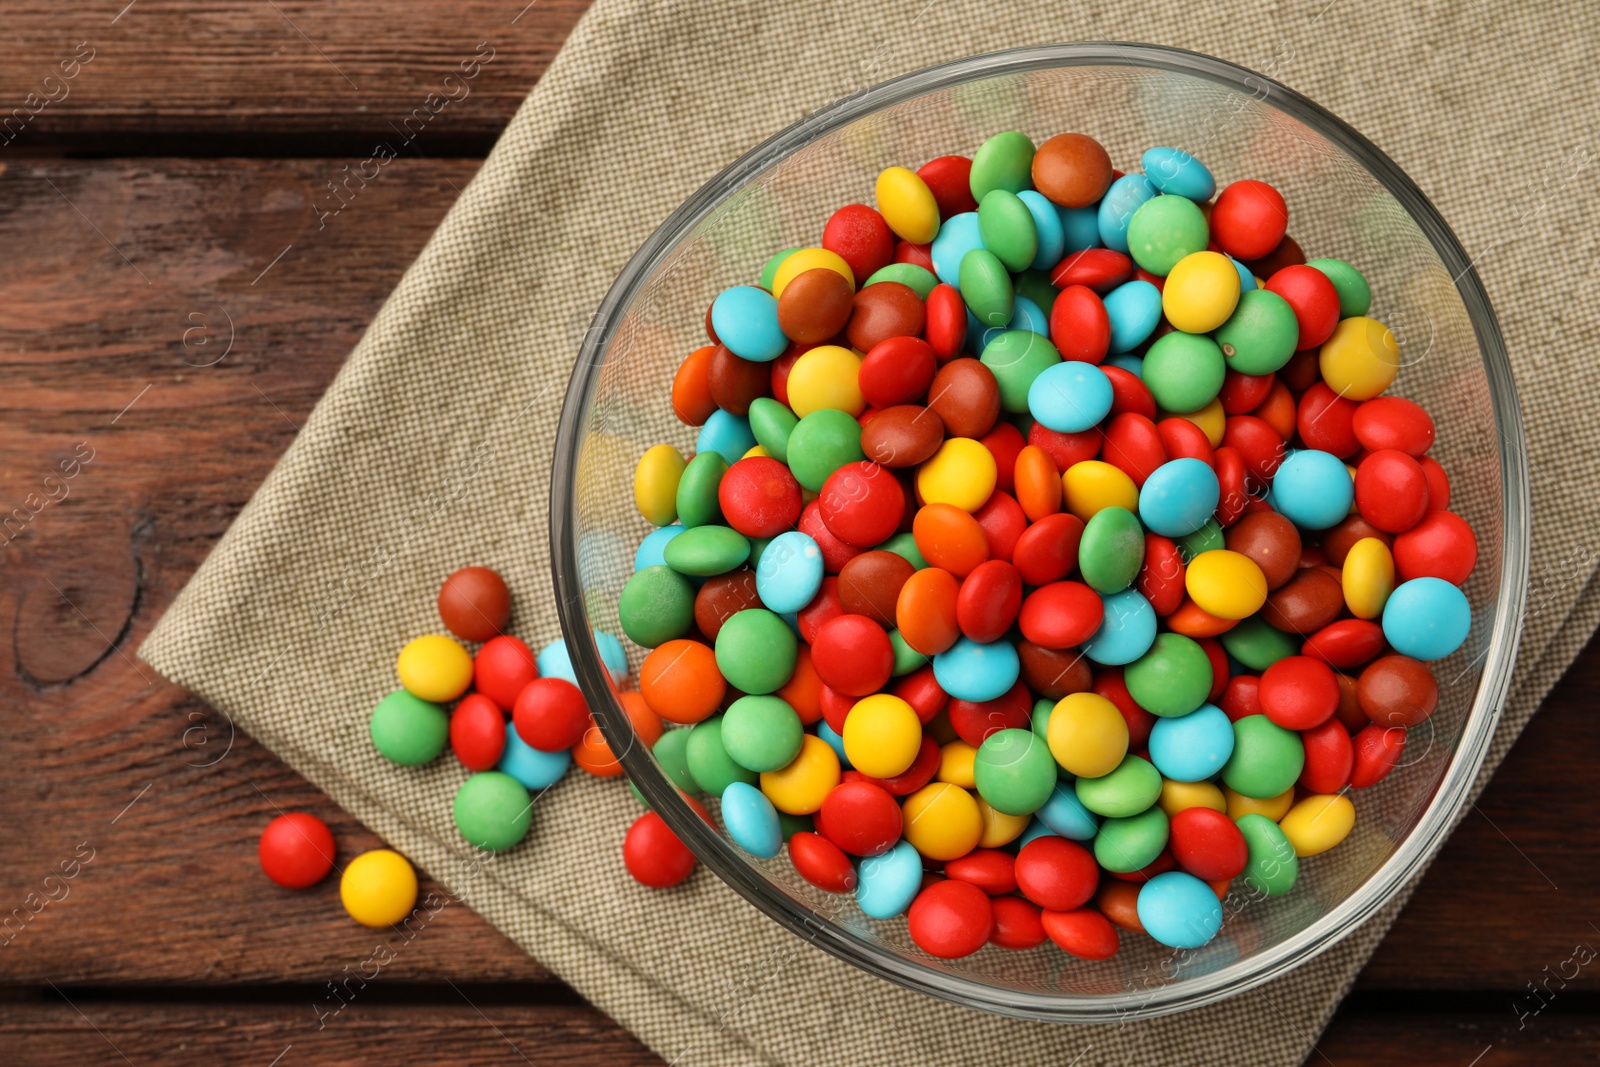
1347, 200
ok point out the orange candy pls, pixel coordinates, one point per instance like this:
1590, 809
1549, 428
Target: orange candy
680, 681
1119, 902
803, 690
1191, 620
1278, 411
949, 538
593, 754
925, 612
1038, 483
691, 388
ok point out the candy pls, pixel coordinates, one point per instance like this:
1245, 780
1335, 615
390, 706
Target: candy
1427, 618
477, 732
378, 888
408, 730
475, 604
654, 855
434, 668
296, 850
1318, 823
493, 810
1179, 910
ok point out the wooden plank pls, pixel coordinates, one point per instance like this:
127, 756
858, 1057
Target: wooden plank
287, 77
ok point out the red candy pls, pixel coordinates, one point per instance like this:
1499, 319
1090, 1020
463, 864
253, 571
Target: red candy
502, 667
853, 656
1056, 874
1329, 757
1393, 422
861, 503
974, 720
1346, 643
822, 863
550, 714
1391, 490
1299, 692
949, 179
1249, 219
860, 237
897, 371
1079, 326
1017, 924
1047, 551
1314, 299
1325, 421
945, 325
654, 855
990, 869
1441, 545
1084, 933
1377, 750
1207, 844
296, 850
950, 919
859, 817
759, 497
1061, 615
1099, 269
477, 732
988, 601
1134, 446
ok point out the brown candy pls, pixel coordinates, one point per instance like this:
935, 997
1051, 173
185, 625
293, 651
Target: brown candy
1305, 603
1072, 169
1350, 712
902, 436
735, 382
1271, 541
815, 306
966, 398
722, 597
870, 585
1287, 254
474, 603
884, 310
1397, 691
1338, 541
1054, 673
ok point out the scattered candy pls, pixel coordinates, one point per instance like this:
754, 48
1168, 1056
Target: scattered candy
379, 888
296, 850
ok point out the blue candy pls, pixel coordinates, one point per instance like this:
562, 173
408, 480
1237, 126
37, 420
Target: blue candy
1134, 309
1178, 497
1179, 910
746, 321
651, 552
1070, 397
1124, 197
1192, 747
957, 236
1313, 489
1426, 618
1172, 170
1047, 220
727, 435
1035, 830
1065, 814
1081, 228
789, 572
1133, 364
536, 770
1247, 281
1126, 633
887, 883
968, 670
751, 820
835, 742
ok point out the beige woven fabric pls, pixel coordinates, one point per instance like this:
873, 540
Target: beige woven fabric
432, 449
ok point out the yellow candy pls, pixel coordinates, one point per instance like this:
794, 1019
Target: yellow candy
1360, 359
1087, 734
907, 205
961, 473
1368, 577
1179, 796
826, 377
942, 821
882, 735
1094, 484
798, 789
756, 452
1318, 822
1240, 805
956, 765
378, 888
655, 484
1210, 419
1226, 584
809, 259
1200, 293
434, 668
999, 829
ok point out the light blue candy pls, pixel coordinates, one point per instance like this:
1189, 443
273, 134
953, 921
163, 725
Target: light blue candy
1126, 633
555, 659
1035, 830
1192, 747
1179, 910
1070, 397
1047, 220
790, 572
1081, 228
887, 883
751, 819
727, 435
1247, 281
1129, 362
612, 654
1134, 309
1124, 197
968, 670
1065, 814
1426, 618
652, 550
957, 236
746, 320
835, 742
1178, 497
1313, 489
536, 770
1172, 170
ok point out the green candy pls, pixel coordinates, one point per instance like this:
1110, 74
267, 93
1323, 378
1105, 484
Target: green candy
656, 606
1006, 227
761, 733
709, 763
669, 751
820, 444
1267, 759
772, 423
756, 650
697, 490
1111, 550
409, 730
1172, 679
1258, 645
1016, 358
705, 551
1272, 866
1004, 161
1041, 718
1129, 789
794, 824
770, 271
919, 279
493, 810
904, 545
1260, 335
1355, 295
906, 658
986, 287
1205, 539
1165, 229
1184, 371
1132, 842
1015, 772
1035, 285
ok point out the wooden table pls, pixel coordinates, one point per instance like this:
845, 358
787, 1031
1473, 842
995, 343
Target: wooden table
177, 293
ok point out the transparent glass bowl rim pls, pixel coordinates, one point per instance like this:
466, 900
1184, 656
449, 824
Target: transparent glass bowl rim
722, 856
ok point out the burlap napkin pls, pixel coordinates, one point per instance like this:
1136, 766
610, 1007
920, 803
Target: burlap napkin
432, 450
